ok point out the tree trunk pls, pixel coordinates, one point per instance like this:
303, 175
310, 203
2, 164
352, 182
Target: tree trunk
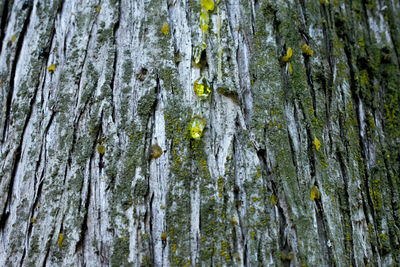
298, 163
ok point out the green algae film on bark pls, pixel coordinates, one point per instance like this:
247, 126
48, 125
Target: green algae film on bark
297, 163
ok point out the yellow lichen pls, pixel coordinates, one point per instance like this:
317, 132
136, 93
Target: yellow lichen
314, 193
290, 68
383, 236
196, 127
164, 236
307, 50
207, 5
51, 68
60, 240
204, 20
273, 199
202, 88
101, 149
165, 29
317, 143
155, 151
234, 221
13, 37
289, 53
98, 9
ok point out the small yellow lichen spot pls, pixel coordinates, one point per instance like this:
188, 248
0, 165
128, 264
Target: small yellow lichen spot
13, 37
202, 88
314, 193
164, 236
289, 53
196, 127
101, 149
155, 151
51, 68
98, 8
33, 220
234, 221
197, 52
273, 199
207, 5
290, 68
317, 143
60, 240
307, 50
165, 29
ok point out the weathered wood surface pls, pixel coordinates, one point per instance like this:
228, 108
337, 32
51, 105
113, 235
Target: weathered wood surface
239, 196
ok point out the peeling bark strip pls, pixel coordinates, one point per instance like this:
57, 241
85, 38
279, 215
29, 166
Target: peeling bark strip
297, 165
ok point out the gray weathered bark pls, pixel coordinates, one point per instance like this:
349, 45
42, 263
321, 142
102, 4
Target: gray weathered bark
298, 164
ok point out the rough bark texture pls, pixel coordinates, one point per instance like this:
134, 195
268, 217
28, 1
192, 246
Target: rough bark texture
255, 190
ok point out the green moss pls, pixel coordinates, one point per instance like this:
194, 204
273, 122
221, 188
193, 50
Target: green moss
141, 188
120, 253
208, 231
182, 176
146, 105
104, 35
114, 2
127, 71
75, 183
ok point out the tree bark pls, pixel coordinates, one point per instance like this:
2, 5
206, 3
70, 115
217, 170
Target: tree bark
298, 163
